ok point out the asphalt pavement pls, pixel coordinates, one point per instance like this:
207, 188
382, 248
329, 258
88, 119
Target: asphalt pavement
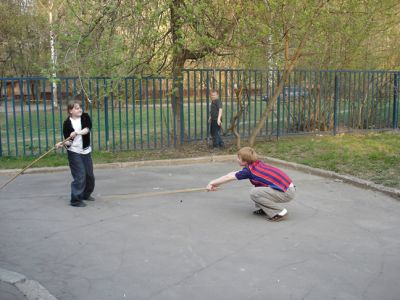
148, 237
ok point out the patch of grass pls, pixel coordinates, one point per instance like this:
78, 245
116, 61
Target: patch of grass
372, 156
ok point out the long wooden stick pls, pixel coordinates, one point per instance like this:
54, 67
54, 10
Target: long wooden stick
149, 194
35, 161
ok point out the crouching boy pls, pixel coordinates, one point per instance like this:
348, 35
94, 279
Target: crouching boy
271, 185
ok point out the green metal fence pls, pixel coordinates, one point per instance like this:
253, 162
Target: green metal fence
141, 112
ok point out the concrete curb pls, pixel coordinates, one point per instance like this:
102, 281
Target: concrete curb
144, 163
31, 289
395, 193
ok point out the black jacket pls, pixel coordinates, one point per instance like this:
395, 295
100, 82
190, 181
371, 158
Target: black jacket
85, 122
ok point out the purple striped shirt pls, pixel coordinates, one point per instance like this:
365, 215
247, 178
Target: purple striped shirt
261, 174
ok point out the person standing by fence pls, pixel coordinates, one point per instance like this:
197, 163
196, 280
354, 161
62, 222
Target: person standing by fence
77, 126
215, 120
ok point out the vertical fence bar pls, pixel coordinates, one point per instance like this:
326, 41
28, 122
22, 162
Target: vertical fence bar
188, 101
98, 113
395, 101
262, 95
373, 107
28, 100
175, 107
331, 91
306, 96
134, 112
288, 100
323, 105
7, 119
315, 91
74, 87
21, 102
238, 102
302, 99
195, 102
201, 106
5, 111
141, 111
107, 137
360, 93
1, 124
353, 102
58, 111
381, 96
339, 114
226, 100
38, 115
15, 117
389, 99
44, 96
255, 101
207, 102
378, 102
160, 93
278, 111
91, 109
154, 112
221, 94
168, 111
386, 123
319, 95
272, 92
182, 131
298, 99
351, 74
119, 113
291, 79
367, 99
52, 110
147, 112
348, 100
126, 113
335, 105
248, 106
111, 91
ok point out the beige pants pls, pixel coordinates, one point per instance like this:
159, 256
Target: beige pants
267, 199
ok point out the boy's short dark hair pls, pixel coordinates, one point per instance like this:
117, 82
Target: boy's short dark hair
247, 154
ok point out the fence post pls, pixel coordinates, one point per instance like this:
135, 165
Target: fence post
208, 104
5, 110
278, 110
335, 105
395, 101
1, 143
106, 122
182, 125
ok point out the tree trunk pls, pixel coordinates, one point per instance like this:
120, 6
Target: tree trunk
271, 103
178, 63
53, 54
177, 97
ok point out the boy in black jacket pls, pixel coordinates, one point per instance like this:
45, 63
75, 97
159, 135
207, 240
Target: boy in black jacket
77, 126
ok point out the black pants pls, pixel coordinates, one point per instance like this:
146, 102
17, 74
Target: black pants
216, 138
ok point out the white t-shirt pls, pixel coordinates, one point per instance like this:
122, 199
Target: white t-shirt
77, 144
